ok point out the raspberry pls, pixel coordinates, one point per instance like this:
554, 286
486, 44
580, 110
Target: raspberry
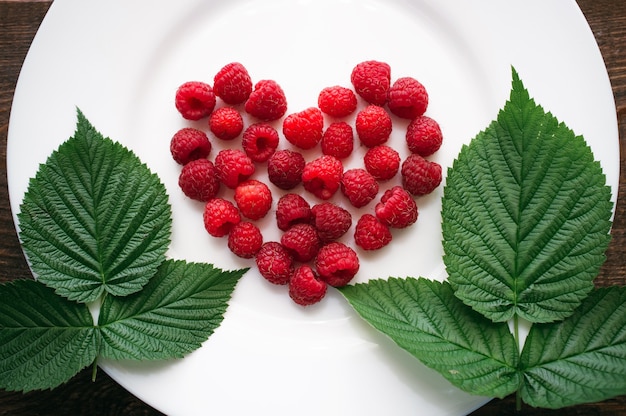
275, 263
359, 187
284, 169
267, 102
253, 198
226, 123
245, 240
302, 242
371, 80
189, 144
338, 140
232, 83
423, 136
292, 209
305, 288
194, 100
220, 216
420, 176
371, 234
331, 221
407, 98
337, 101
322, 176
382, 162
233, 167
260, 141
396, 208
336, 264
304, 129
309, 234
198, 180
373, 125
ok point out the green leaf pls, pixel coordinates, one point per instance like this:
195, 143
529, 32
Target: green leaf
526, 216
44, 338
177, 310
94, 220
579, 360
426, 319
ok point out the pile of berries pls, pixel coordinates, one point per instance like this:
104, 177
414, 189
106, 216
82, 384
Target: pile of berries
309, 256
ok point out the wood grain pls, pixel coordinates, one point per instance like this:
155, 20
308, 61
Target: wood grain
19, 21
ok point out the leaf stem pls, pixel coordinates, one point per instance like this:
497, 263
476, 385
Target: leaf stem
518, 393
94, 370
516, 331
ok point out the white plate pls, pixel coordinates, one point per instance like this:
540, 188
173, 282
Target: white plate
120, 63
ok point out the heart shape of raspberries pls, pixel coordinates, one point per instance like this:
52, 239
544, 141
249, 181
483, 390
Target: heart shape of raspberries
309, 256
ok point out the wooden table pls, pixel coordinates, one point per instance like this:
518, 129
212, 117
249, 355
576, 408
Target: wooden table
19, 21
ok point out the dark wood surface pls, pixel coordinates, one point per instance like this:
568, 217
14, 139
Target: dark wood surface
19, 21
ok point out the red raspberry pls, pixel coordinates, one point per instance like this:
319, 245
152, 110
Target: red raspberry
304, 129
322, 176
275, 263
220, 216
233, 167
226, 123
336, 264
253, 198
420, 176
260, 141
232, 83
359, 187
331, 221
337, 101
194, 100
267, 102
371, 234
371, 80
245, 240
305, 288
292, 209
382, 162
423, 136
189, 144
284, 169
373, 125
338, 140
407, 98
198, 180
302, 242
396, 208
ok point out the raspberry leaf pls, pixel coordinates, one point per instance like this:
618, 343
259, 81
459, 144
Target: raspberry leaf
44, 339
526, 216
427, 320
95, 224
94, 220
176, 311
581, 359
